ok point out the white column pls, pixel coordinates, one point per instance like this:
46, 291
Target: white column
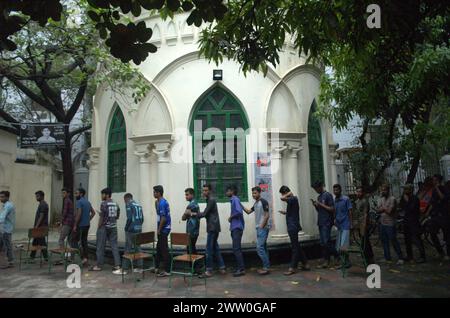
333, 157
291, 169
145, 192
279, 229
94, 183
161, 150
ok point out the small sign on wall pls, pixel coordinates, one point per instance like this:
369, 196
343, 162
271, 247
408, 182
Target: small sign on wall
41, 135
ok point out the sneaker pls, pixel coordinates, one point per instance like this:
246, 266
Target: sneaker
95, 268
208, 274
154, 270
163, 274
263, 271
400, 262
138, 270
323, 265
238, 273
223, 271
119, 271
289, 272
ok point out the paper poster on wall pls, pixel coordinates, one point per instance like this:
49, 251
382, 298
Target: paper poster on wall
263, 177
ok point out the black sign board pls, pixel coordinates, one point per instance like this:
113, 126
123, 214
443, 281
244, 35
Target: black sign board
41, 135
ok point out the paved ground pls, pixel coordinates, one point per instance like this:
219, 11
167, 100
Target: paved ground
411, 280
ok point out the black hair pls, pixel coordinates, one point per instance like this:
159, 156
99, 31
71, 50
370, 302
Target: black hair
159, 189
233, 189
317, 184
82, 191
284, 189
207, 185
66, 190
337, 185
40, 193
438, 176
257, 189
5, 193
107, 191
128, 196
190, 191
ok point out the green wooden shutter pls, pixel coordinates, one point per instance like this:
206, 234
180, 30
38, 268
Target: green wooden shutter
117, 152
315, 147
219, 109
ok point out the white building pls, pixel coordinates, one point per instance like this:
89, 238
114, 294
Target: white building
135, 147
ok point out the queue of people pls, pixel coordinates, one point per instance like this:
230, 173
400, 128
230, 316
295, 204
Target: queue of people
333, 210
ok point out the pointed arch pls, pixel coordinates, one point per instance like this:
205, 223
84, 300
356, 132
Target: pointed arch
117, 151
219, 108
316, 163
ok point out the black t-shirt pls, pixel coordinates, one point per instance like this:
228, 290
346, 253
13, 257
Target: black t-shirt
293, 215
439, 206
42, 208
411, 209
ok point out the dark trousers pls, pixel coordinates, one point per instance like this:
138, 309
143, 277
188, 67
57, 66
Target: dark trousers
81, 237
194, 251
162, 252
213, 252
367, 248
39, 242
236, 236
412, 236
328, 248
443, 223
297, 252
388, 235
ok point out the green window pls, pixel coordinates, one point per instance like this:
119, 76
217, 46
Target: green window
219, 109
117, 153
315, 147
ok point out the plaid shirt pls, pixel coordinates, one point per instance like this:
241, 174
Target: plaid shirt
67, 213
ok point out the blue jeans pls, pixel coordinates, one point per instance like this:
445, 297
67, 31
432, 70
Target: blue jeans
389, 234
213, 251
131, 248
236, 236
261, 246
328, 248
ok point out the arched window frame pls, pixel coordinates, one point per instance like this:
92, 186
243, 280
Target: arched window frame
227, 107
316, 162
117, 152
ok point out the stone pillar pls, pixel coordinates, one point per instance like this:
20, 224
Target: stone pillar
279, 220
94, 183
333, 169
146, 192
291, 172
161, 150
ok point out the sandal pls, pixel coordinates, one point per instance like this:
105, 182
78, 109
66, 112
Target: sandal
289, 272
95, 269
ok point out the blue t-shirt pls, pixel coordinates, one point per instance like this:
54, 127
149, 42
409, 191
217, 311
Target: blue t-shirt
237, 215
324, 217
135, 217
193, 223
85, 207
163, 210
342, 207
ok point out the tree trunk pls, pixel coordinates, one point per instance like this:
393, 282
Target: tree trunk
66, 157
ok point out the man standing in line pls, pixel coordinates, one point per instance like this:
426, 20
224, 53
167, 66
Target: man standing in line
213, 229
107, 230
361, 222
236, 220
410, 205
83, 217
325, 220
7, 223
68, 219
190, 215
135, 219
263, 222
387, 207
343, 221
40, 221
293, 227
440, 216
164, 227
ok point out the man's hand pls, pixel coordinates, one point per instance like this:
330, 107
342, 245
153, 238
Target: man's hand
74, 229
229, 219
